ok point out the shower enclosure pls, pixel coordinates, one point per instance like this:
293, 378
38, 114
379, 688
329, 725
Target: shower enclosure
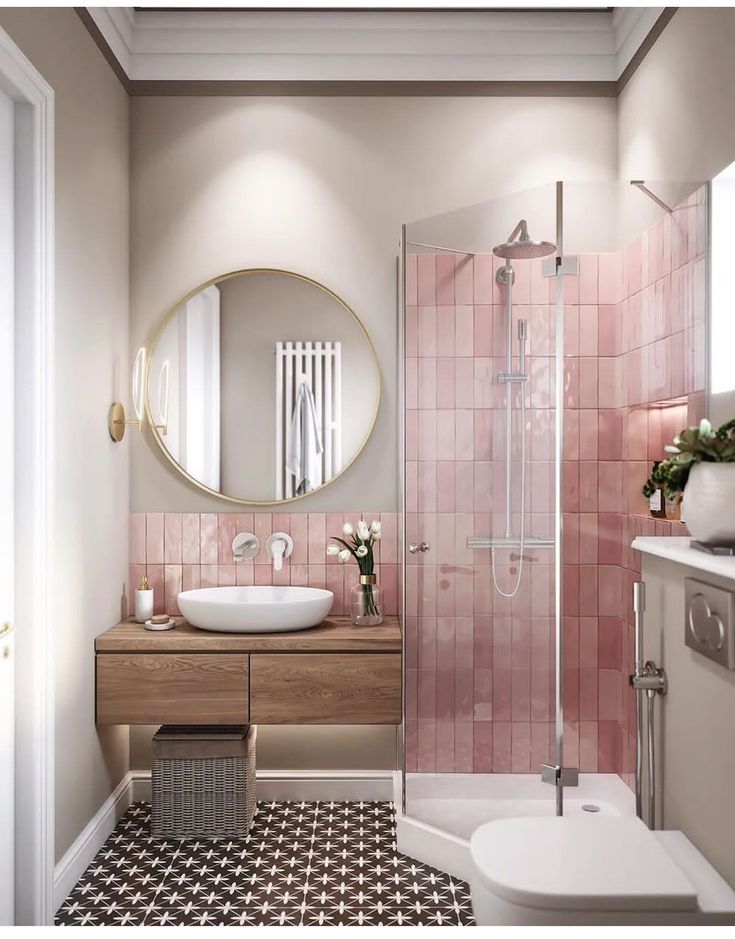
552, 340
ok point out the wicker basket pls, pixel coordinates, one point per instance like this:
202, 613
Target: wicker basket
203, 781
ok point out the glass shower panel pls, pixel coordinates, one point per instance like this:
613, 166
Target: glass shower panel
636, 336
480, 502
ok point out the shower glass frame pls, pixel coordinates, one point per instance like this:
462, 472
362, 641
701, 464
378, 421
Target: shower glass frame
558, 398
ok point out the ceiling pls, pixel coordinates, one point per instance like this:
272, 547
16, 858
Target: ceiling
458, 49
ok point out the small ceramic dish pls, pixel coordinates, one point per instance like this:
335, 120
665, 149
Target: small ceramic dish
149, 624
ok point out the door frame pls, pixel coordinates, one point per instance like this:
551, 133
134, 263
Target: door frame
34, 503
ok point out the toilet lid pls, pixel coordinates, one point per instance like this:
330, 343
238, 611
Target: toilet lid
597, 863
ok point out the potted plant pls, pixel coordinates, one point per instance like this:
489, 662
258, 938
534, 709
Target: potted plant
701, 465
365, 601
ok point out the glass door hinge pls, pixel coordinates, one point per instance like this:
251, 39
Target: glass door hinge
559, 775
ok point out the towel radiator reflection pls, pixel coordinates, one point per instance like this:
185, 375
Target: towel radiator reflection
321, 363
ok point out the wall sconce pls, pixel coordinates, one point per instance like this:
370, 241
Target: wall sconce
116, 420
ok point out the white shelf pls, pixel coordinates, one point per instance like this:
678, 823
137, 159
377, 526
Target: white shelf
679, 551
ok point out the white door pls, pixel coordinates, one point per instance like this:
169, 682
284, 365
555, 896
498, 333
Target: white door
7, 532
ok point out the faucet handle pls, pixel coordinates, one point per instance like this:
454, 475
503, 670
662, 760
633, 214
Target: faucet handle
279, 546
245, 545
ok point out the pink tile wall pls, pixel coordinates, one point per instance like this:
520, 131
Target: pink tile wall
480, 679
182, 551
480, 667
646, 308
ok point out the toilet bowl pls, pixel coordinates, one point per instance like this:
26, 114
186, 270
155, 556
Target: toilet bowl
592, 871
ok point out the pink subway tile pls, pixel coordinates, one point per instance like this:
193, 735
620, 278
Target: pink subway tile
521, 747
173, 585
190, 538
191, 577
317, 575
426, 293
154, 538
226, 575
226, 531
426, 383
299, 531
209, 575
588, 746
445, 382
463, 746
172, 538
427, 331
445, 279
208, 531
464, 279
484, 280
464, 328
245, 574
502, 737
588, 278
444, 746
483, 340
316, 538
483, 748
445, 330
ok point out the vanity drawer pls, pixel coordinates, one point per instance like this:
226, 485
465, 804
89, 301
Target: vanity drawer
172, 688
311, 688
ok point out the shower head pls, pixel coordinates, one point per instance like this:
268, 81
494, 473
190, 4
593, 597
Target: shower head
519, 246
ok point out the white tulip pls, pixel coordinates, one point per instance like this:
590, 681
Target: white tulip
347, 529
332, 550
363, 532
376, 527
344, 555
377, 535
705, 428
361, 551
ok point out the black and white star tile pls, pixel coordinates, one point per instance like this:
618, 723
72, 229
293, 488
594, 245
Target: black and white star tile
302, 864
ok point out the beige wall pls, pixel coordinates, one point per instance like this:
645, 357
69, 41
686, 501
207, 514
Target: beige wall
321, 186
696, 743
676, 113
92, 214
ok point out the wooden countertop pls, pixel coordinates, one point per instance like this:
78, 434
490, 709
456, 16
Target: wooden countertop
335, 634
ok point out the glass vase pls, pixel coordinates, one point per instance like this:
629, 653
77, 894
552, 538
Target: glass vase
366, 603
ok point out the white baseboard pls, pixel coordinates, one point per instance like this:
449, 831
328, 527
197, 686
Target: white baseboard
273, 785
81, 853
303, 785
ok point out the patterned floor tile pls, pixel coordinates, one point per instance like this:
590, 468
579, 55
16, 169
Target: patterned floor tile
303, 863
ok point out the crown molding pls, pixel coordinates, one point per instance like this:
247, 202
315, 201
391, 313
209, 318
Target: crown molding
373, 52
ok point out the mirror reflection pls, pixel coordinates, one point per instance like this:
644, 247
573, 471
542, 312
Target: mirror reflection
262, 386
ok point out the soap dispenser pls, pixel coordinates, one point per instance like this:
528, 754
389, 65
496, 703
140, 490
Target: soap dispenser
143, 600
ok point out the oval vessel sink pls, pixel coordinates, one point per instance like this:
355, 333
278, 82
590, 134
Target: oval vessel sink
255, 609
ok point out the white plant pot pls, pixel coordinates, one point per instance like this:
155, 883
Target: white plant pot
708, 506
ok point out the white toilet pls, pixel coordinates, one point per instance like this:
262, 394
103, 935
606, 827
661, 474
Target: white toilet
602, 870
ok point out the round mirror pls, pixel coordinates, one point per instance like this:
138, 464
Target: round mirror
262, 386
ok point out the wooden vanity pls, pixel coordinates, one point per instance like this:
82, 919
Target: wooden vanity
334, 673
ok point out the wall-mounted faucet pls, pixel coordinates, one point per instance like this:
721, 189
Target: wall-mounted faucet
245, 546
279, 546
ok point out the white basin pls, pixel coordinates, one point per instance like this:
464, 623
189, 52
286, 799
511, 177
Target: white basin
255, 609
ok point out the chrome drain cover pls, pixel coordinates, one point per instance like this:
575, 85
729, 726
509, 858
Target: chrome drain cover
590, 807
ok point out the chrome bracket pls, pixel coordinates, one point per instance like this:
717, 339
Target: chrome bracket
559, 775
650, 678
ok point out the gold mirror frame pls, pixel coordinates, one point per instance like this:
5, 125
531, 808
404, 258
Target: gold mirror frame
177, 308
